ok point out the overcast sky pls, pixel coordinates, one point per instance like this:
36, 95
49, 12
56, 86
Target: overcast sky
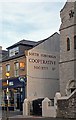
35, 20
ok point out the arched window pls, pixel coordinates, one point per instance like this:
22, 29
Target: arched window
68, 44
75, 42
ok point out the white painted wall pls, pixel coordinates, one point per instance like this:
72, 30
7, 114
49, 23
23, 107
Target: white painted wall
43, 71
47, 109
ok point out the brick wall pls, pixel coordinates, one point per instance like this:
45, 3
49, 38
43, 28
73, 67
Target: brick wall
11, 62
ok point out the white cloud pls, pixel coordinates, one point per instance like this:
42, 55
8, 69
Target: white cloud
33, 21
22, 14
34, 0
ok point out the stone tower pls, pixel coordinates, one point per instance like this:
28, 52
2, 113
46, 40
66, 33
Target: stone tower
67, 64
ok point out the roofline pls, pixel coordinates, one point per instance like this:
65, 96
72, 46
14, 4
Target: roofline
31, 41
46, 38
63, 7
11, 58
17, 45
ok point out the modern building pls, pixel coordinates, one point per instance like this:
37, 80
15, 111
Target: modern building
14, 74
67, 66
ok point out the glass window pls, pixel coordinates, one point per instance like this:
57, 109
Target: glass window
0, 54
0, 72
7, 68
68, 44
22, 65
74, 42
0, 69
13, 51
16, 69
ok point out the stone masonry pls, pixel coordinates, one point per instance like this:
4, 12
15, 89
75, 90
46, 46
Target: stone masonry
67, 64
67, 106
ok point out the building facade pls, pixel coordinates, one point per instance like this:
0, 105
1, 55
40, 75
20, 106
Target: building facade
0, 75
30, 70
0, 62
67, 66
14, 74
43, 69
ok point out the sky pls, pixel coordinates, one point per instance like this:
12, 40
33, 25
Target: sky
30, 20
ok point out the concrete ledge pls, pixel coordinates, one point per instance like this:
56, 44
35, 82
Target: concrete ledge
20, 117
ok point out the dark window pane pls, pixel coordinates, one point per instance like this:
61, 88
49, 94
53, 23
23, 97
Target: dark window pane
74, 42
68, 44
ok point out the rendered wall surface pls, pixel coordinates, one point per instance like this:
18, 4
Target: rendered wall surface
43, 69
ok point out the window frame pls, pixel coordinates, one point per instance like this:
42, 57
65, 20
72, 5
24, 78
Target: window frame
8, 68
16, 69
0, 72
13, 51
75, 42
68, 44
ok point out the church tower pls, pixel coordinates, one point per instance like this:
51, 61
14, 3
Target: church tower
67, 64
